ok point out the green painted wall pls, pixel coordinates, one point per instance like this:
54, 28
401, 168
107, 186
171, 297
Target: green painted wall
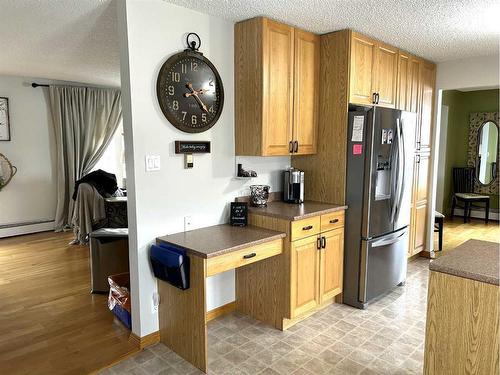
461, 105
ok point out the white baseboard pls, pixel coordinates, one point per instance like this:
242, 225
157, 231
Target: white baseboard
26, 228
478, 214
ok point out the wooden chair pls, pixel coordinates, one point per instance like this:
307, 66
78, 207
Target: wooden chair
438, 227
463, 192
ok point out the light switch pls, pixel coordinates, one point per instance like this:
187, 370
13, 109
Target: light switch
152, 163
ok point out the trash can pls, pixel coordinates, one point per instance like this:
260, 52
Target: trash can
108, 256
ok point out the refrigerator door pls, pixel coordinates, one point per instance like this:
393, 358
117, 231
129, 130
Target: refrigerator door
383, 264
381, 167
405, 139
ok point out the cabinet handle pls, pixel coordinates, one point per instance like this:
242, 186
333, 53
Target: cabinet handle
309, 227
377, 96
318, 243
333, 221
290, 147
418, 159
418, 145
323, 242
374, 98
248, 256
296, 148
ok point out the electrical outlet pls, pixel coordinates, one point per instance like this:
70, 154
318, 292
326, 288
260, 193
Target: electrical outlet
156, 302
188, 223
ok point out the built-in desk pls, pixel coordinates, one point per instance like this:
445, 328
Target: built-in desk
252, 251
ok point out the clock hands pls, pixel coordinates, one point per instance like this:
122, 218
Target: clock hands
194, 93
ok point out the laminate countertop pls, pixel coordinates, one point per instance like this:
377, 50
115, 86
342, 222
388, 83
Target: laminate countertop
293, 211
220, 239
474, 259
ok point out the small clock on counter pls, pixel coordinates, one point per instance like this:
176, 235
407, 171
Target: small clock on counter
190, 90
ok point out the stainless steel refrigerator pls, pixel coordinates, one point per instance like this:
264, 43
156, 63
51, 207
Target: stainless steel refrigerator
378, 194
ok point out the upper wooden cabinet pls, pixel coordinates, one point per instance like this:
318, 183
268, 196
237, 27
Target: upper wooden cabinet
408, 82
427, 83
374, 72
276, 80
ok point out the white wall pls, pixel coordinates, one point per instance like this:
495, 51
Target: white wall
151, 31
31, 195
473, 73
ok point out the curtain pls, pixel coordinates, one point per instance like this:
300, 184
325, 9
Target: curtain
84, 120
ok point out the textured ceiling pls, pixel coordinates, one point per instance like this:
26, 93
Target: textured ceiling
72, 40
438, 30
76, 40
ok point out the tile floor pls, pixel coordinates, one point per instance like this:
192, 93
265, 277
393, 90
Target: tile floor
386, 338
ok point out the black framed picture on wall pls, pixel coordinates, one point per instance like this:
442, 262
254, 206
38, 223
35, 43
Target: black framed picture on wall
4, 119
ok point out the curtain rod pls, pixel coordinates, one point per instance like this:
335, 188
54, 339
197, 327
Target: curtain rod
34, 84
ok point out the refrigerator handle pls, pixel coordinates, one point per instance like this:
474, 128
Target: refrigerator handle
394, 177
401, 164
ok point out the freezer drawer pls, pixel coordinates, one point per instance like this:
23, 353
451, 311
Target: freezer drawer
383, 264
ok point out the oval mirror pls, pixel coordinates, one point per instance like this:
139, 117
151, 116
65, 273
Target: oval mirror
487, 152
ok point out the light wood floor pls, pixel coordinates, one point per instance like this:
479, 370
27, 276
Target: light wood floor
49, 321
456, 232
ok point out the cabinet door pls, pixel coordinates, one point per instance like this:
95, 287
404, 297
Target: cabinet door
386, 75
403, 82
304, 275
420, 228
362, 69
427, 82
331, 264
414, 84
422, 177
306, 83
278, 88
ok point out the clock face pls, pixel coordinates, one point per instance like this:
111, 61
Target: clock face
190, 92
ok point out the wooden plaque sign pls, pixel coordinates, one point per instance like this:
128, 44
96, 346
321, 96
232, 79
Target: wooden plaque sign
192, 147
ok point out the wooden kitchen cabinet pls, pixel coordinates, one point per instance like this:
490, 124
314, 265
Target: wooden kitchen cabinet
305, 274
276, 80
427, 84
374, 72
306, 82
331, 264
313, 261
316, 270
420, 201
408, 82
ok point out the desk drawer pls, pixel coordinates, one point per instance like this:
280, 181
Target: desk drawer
305, 228
333, 220
243, 257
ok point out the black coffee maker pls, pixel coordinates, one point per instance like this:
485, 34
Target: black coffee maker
293, 189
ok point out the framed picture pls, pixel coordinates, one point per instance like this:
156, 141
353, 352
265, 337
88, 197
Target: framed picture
4, 120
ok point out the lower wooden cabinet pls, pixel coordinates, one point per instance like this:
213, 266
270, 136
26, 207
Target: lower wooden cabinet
420, 199
331, 264
316, 270
305, 270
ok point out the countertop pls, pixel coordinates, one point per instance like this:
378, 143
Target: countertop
291, 211
220, 239
474, 259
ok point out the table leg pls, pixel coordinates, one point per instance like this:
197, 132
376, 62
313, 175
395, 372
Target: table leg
182, 315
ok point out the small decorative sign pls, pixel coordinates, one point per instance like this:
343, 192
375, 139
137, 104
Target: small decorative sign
239, 214
192, 147
4, 120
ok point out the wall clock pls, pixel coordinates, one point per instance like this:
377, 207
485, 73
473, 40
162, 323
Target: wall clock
189, 90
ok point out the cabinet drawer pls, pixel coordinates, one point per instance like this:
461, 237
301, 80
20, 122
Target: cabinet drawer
332, 221
239, 258
305, 228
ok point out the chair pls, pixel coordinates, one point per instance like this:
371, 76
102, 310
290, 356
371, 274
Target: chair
463, 191
438, 227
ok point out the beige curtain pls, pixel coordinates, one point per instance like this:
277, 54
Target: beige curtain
84, 120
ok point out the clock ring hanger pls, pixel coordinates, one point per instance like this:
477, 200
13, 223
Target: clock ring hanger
193, 45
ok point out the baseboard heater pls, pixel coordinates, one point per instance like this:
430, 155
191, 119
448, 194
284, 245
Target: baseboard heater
26, 227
